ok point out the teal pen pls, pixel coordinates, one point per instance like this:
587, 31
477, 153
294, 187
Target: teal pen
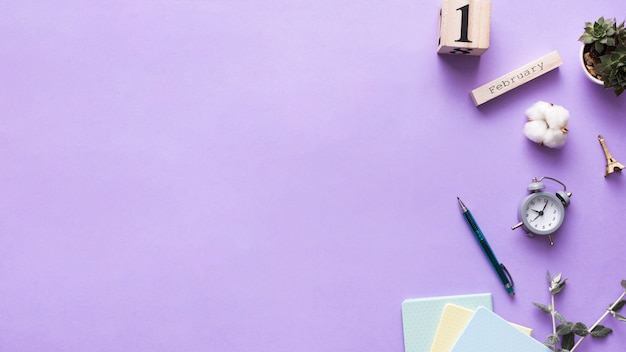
500, 269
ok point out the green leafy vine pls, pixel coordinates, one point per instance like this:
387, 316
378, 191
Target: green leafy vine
566, 332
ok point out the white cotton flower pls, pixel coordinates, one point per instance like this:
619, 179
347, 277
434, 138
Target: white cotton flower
556, 116
554, 138
547, 124
536, 131
537, 110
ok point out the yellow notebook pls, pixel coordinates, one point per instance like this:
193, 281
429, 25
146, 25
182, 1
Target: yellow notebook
420, 317
453, 321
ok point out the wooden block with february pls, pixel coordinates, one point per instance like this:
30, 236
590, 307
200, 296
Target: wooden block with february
516, 78
464, 27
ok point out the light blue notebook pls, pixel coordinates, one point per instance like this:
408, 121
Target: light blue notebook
488, 332
420, 317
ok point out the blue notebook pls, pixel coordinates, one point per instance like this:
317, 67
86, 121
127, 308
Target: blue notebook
420, 317
488, 332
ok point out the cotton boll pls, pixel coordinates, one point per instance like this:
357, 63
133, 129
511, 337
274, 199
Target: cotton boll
556, 116
537, 110
536, 130
547, 124
554, 138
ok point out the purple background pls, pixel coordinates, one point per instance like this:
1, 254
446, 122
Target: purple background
229, 175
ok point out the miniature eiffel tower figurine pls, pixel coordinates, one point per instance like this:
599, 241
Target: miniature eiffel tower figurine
612, 165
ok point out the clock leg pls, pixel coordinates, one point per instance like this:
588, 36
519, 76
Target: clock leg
517, 225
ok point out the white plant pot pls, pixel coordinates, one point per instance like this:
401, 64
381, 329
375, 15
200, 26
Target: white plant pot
582, 64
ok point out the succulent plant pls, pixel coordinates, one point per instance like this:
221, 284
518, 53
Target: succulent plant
605, 41
600, 33
613, 69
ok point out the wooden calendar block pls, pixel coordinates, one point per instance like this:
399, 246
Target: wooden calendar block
464, 27
516, 78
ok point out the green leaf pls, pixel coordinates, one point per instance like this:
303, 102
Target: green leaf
599, 46
557, 283
587, 39
543, 308
565, 329
600, 331
618, 306
623, 283
550, 277
614, 56
580, 329
551, 340
613, 69
619, 317
558, 287
567, 341
560, 317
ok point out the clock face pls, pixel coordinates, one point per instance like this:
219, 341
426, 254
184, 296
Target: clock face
542, 213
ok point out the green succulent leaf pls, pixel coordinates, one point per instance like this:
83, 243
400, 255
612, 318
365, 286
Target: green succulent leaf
609, 41
586, 38
602, 33
612, 68
623, 283
620, 33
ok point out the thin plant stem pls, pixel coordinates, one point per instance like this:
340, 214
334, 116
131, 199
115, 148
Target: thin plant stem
609, 310
553, 318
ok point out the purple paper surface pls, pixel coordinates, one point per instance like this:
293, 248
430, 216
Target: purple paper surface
280, 175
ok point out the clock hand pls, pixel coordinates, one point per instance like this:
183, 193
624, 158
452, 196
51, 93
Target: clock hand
539, 213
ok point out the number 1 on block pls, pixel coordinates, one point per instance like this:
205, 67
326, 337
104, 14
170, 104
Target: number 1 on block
464, 24
464, 27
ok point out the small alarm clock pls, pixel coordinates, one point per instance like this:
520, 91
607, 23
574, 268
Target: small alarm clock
542, 213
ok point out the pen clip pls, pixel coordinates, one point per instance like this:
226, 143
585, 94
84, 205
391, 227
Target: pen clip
507, 274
